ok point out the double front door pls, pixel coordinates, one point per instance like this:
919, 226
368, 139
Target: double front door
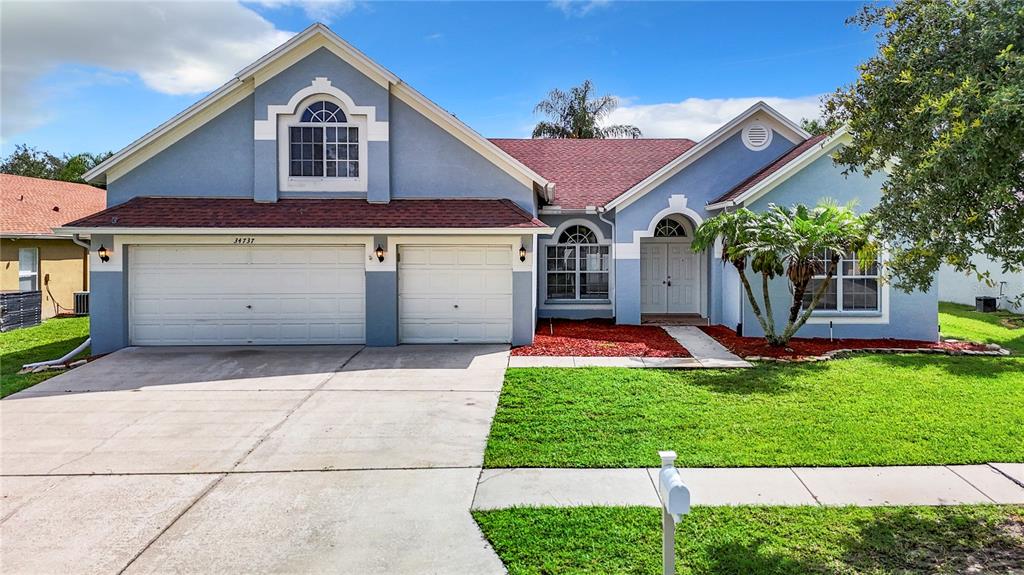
669, 278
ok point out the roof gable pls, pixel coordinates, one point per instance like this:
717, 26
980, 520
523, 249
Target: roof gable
591, 173
33, 206
759, 111
780, 170
313, 38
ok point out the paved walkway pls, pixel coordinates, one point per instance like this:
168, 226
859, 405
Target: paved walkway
861, 486
706, 352
332, 459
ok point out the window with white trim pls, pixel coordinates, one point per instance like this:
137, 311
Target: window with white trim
854, 286
323, 143
577, 266
28, 269
669, 228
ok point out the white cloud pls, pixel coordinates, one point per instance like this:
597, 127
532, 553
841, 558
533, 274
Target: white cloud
173, 47
320, 10
578, 7
695, 118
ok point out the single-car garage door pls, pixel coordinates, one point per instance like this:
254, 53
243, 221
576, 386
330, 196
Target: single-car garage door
455, 294
231, 295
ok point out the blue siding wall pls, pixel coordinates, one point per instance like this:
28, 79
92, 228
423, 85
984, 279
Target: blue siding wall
108, 300
911, 316
428, 162
215, 160
705, 180
522, 308
381, 308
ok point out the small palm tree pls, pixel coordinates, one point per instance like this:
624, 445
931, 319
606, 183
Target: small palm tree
790, 242
577, 115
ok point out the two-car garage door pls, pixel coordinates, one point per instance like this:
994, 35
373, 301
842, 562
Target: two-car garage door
244, 294
311, 294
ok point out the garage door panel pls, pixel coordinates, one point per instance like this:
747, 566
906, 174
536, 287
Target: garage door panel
208, 295
455, 294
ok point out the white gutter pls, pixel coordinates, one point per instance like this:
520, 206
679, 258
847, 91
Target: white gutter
62, 360
600, 215
77, 238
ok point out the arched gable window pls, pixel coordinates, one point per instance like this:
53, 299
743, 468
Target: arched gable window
577, 266
323, 143
669, 228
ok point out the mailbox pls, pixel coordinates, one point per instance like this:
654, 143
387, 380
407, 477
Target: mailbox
675, 502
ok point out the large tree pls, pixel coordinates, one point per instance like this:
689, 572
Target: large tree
940, 109
578, 114
26, 161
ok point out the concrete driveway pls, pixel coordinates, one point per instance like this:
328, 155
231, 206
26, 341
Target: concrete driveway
329, 459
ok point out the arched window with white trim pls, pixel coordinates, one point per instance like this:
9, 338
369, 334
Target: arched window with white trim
577, 266
323, 143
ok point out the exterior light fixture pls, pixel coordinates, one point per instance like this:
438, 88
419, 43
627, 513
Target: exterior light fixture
103, 253
522, 253
380, 253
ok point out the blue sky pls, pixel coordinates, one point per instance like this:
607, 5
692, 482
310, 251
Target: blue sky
679, 68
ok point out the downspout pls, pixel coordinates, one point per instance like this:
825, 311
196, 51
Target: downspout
71, 354
77, 238
600, 216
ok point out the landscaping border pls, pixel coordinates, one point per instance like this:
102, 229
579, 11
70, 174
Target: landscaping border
992, 350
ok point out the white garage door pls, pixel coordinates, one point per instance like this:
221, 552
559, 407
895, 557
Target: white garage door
230, 295
455, 294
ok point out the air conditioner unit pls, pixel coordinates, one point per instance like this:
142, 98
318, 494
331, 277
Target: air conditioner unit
81, 303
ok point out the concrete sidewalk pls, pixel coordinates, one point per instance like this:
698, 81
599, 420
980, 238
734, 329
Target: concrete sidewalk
1001, 483
706, 352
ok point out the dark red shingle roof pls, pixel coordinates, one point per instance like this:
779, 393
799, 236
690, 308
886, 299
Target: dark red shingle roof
770, 169
160, 212
593, 172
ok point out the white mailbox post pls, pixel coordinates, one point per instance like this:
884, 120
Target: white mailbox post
675, 502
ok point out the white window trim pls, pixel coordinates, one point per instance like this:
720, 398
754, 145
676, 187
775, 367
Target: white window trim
289, 183
542, 275
837, 316
29, 274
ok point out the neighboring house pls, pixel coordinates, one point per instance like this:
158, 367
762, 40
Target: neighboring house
317, 198
958, 287
32, 257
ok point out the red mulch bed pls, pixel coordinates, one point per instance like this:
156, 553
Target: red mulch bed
800, 347
601, 338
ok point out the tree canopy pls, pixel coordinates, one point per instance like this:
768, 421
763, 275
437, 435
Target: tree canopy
26, 161
578, 114
940, 108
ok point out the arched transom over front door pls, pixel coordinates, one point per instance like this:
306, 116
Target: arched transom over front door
671, 275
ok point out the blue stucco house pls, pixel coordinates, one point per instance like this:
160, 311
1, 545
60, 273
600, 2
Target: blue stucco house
317, 198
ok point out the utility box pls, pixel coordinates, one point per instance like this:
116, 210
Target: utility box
985, 304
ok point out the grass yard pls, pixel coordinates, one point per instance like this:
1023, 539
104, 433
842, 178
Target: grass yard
962, 322
50, 340
761, 540
864, 410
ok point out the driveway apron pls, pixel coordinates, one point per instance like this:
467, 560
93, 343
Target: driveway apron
318, 459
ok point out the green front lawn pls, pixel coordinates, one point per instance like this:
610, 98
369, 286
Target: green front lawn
962, 322
50, 340
866, 410
761, 540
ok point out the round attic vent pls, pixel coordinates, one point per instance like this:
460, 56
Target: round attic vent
757, 136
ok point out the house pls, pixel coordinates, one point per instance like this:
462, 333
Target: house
32, 257
317, 198
1006, 287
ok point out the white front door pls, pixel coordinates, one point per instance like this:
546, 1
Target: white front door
653, 278
455, 294
246, 294
669, 278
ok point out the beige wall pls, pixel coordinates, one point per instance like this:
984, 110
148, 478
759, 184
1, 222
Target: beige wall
65, 263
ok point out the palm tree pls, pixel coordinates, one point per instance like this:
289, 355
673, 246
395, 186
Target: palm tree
788, 242
577, 115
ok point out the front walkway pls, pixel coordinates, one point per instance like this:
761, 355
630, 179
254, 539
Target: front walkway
705, 352
1001, 483
332, 459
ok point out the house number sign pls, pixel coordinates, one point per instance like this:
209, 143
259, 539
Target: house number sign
243, 241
